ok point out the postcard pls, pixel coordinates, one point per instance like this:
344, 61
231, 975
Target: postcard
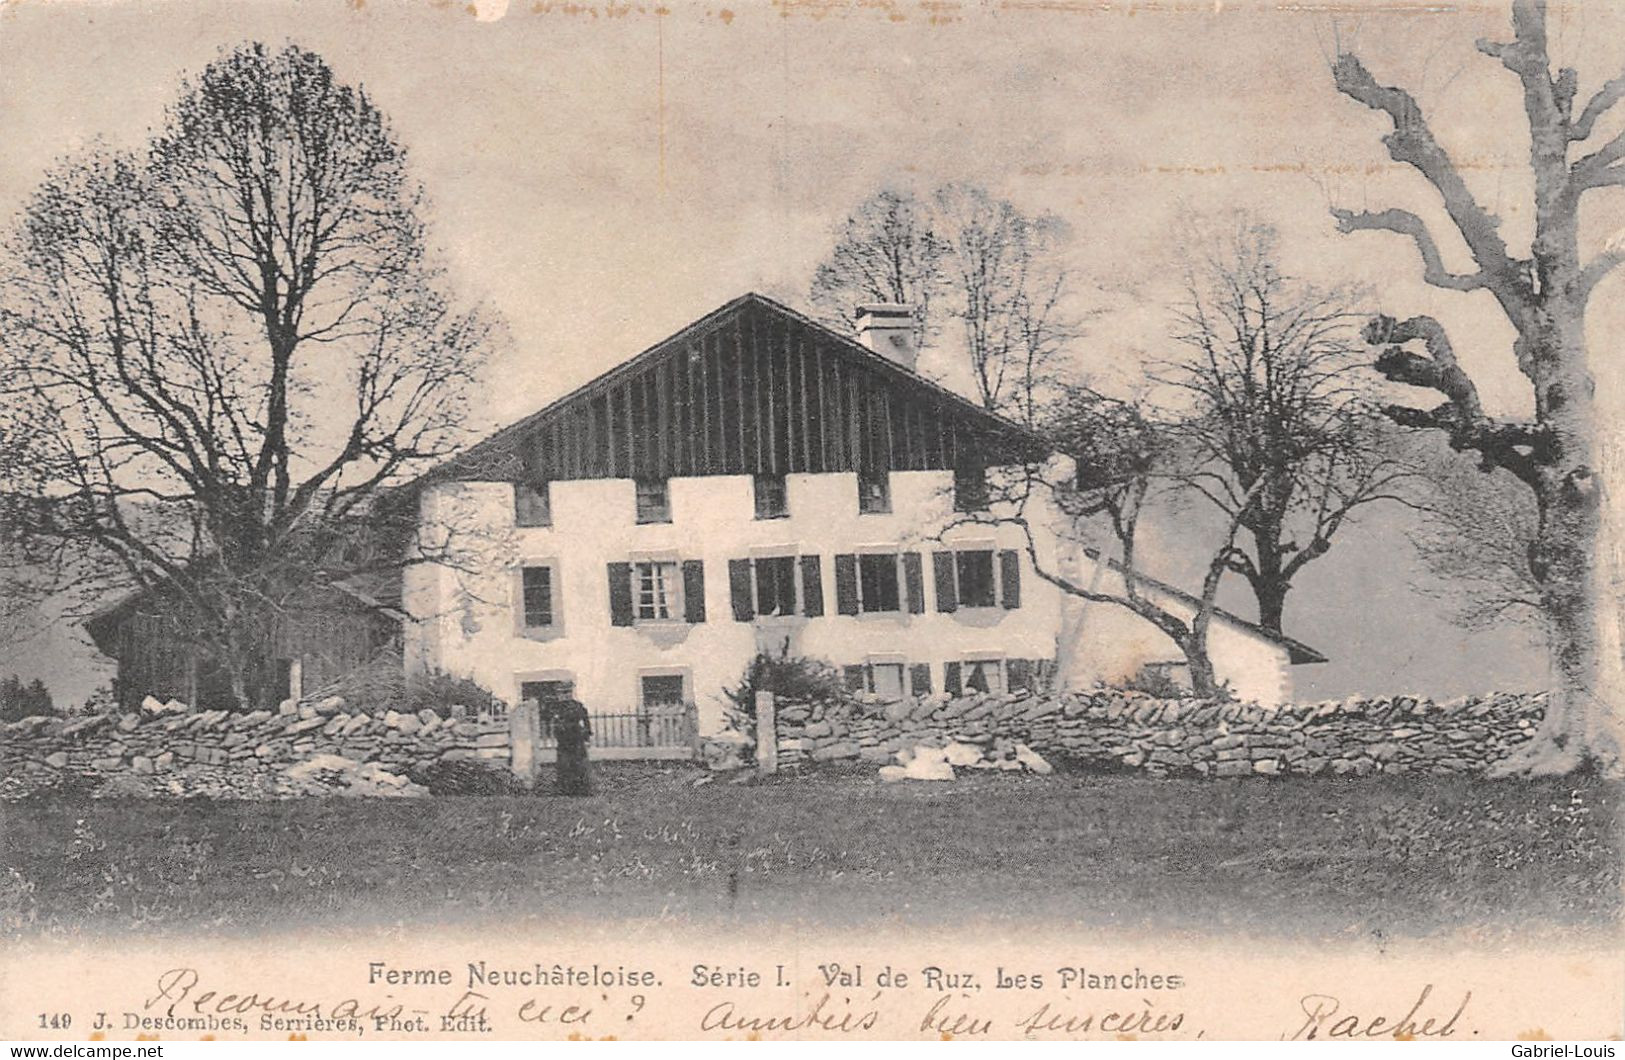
873, 520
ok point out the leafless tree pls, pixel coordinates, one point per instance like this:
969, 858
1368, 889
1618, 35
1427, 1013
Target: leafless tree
1473, 533
1119, 456
227, 346
1280, 433
1007, 281
974, 266
886, 251
1544, 296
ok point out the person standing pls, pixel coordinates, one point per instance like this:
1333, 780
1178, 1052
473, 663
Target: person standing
571, 732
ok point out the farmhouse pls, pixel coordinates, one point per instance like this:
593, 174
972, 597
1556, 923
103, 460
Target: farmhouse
760, 483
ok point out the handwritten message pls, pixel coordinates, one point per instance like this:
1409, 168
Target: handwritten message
817, 996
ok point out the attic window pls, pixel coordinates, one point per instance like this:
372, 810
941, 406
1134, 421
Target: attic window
970, 489
772, 497
874, 492
654, 500
533, 504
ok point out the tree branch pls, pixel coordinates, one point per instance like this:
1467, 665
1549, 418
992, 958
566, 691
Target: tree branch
1610, 94
1406, 223
1413, 143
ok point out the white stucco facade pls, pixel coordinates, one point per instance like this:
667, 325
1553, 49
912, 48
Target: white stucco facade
469, 622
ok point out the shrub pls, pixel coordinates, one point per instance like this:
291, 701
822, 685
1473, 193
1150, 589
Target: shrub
18, 701
1155, 680
791, 677
383, 684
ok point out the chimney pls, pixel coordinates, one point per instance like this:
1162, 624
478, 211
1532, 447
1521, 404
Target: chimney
888, 329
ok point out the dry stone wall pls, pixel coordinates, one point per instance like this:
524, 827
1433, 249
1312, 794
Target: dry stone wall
1118, 730
167, 749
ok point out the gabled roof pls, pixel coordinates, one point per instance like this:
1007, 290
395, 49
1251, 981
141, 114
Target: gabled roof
959, 407
1299, 652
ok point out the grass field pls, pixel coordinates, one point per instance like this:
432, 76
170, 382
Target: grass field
1289, 857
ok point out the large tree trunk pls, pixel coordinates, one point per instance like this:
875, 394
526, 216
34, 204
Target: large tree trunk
1271, 604
1577, 727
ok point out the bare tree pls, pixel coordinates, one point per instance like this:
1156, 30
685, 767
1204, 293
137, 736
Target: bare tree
972, 265
1473, 533
1007, 281
886, 251
1544, 296
1281, 435
1120, 456
226, 348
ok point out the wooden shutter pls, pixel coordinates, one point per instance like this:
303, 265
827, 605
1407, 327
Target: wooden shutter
951, 681
1043, 673
942, 566
812, 586
1018, 674
620, 594
1010, 576
694, 590
914, 582
854, 675
919, 679
846, 584
739, 589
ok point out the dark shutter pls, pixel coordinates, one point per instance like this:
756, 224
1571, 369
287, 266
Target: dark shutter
694, 590
846, 584
739, 588
942, 565
1010, 575
854, 677
1018, 674
950, 679
919, 679
1043, 673
620, 594
914, 582
812, 586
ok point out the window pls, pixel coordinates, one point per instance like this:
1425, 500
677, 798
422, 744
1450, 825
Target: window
775, 585
772, 497
983, 675
537, 586
778, 587
877, 582
533, 504
885, 680
662, 690
548, 691
970, 489
975, 573
970, 577
655, 591
654, 500
874, 492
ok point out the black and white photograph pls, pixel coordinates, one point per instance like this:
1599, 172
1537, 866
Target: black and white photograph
906, 520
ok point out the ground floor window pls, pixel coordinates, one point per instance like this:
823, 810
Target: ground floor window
887, 680
546, 691
983, 675
978, 675
662, 690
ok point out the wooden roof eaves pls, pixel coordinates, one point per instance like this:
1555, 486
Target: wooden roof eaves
980, 417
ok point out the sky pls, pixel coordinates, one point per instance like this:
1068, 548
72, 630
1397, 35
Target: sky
602, 174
